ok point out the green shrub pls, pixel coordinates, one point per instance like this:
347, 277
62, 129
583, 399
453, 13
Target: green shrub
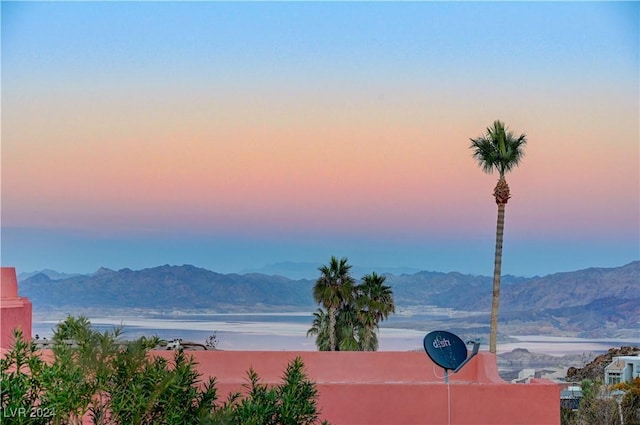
291, 403
93, 373
21, 372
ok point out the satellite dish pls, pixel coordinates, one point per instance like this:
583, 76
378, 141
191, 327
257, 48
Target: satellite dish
445, 349
450, 353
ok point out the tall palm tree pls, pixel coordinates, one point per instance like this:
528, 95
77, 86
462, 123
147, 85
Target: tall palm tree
498, 150
333, 289
375, 303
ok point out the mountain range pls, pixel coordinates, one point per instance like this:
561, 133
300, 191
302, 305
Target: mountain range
595, 302
308, 270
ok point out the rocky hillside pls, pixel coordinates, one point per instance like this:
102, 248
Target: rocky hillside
595, 369
554, 291
595, 302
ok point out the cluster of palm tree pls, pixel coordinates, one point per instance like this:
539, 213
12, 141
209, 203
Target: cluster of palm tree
350, 312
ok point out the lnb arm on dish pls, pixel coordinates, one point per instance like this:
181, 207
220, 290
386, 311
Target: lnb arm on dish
474, 351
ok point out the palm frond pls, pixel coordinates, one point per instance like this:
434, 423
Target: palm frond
498, 149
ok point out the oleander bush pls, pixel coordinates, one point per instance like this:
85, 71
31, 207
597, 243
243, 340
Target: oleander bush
94, 375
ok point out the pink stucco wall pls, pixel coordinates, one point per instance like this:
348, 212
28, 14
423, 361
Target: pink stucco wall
15, 311
393, 387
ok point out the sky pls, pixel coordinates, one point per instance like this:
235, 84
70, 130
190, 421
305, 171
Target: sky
233, 135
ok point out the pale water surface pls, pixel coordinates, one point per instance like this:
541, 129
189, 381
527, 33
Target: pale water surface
287, 331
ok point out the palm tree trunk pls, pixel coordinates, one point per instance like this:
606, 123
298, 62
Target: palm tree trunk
332, 329
367, 339
497, 270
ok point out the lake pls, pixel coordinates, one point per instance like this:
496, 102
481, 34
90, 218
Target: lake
287, 331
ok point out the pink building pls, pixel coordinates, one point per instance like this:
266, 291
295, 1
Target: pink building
372, 388
15, 311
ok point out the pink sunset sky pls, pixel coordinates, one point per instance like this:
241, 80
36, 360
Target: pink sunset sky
231, 136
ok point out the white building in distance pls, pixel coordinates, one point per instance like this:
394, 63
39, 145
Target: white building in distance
622, 369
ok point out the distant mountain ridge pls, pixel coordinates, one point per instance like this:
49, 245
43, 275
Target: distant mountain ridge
308, 270
587, 302
184, 287
51, 274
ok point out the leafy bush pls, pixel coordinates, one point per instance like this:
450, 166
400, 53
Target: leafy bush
21, 386
630, 403
291, 403
93, 374
599, 406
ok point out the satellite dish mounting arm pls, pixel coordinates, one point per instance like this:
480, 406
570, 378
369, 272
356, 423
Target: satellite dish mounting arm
474, 351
